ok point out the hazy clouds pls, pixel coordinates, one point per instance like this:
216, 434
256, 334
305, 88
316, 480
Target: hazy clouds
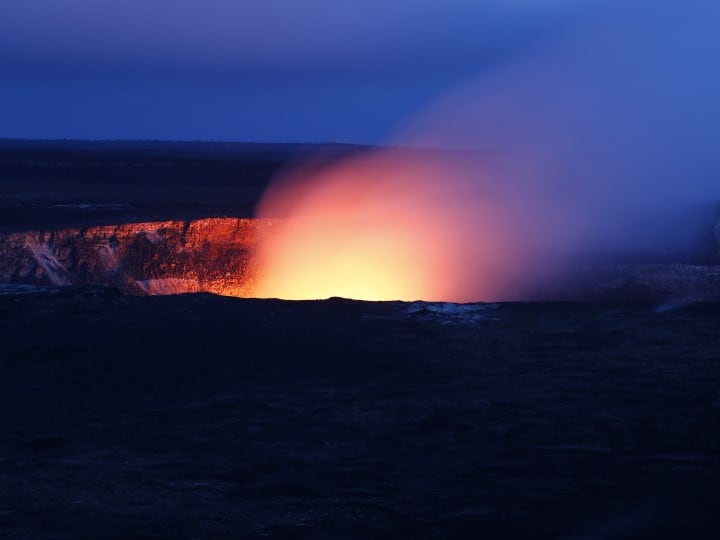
267, 35
345, 70
269, 70
627, 98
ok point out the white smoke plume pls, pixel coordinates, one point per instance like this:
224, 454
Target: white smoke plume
602, 142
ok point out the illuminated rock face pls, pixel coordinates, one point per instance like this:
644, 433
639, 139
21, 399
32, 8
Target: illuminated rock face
169, 257
213, 255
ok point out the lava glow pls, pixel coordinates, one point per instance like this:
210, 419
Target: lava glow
387, 226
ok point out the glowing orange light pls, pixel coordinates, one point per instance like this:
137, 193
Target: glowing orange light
389, 226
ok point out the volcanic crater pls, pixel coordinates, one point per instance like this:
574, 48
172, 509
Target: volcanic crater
214, 255
135, 412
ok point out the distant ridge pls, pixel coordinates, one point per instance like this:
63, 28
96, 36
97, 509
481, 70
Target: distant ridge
152, 146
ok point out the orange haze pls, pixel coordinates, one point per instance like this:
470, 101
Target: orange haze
390, 225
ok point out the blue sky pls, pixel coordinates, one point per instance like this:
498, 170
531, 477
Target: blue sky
251, 70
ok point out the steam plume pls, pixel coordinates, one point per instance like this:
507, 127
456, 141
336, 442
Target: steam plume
598, 143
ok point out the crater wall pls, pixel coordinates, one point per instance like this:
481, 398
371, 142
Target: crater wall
212, 255
165, 257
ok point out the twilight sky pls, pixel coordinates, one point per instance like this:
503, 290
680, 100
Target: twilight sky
251, 70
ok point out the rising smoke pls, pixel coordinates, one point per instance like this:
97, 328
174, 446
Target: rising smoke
602, 142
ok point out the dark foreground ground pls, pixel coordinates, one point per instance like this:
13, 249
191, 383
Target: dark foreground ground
208, 417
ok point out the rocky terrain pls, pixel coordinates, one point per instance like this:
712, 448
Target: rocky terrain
209, 255
202, 417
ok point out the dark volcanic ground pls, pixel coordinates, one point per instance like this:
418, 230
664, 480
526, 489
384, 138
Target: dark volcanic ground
208, 417
60, 184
